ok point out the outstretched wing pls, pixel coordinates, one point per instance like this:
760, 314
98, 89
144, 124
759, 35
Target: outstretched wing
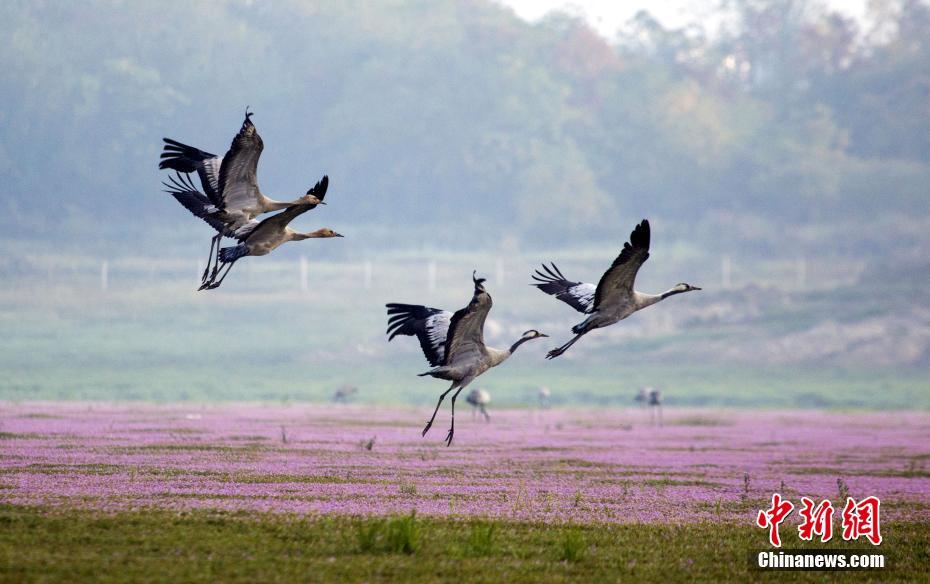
578, 295
465, 341
187, 159
282, 219
621, 275
238, 179
183, 190
428, 325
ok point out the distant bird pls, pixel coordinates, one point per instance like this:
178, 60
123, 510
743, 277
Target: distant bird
613, 299
544, 394
651, 397
453, 343
230, 183
343, 394
479, 399
655, 405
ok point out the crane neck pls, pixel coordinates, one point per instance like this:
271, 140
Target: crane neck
298, 236
519, 342
273, 205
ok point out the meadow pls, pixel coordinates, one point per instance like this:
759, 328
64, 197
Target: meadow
249, 490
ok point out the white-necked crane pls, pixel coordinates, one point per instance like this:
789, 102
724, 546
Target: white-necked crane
613, 299
453, 343
479, 399
230, 182
266, 236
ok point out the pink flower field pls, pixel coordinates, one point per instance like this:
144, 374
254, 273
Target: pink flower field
541, 465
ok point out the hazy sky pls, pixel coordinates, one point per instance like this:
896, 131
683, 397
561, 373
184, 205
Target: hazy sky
609, 15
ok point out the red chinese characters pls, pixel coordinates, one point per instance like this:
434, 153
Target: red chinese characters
862, 519
816, 521
773, 516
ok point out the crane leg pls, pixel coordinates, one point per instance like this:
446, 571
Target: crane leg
558, 351
216, 260
214, 284
487, 418
455, 395
213, 243
439, 403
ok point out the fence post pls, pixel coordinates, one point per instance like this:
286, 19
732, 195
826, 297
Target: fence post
304, 274
104, 275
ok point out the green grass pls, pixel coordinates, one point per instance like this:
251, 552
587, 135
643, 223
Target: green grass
76, 546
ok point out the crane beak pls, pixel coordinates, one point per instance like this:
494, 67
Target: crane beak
543, 335
340, 235
696, 288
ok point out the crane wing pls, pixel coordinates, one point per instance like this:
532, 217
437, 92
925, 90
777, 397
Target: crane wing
578, 295
465, 341
282, 219
428, 325
619, 278
238, 180
196, 202
187, 159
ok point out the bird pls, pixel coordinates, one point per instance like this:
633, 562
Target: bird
230, 183
343, 394
479, 398
453, 343
649, 396
613, 299
544, 394
266, 236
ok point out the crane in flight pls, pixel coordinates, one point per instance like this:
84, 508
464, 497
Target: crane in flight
453, 343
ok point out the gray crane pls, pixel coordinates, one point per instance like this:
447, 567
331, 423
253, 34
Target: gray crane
613, 299
453, 343
653, 398
479, 399
230, 183
266, 236
344, 393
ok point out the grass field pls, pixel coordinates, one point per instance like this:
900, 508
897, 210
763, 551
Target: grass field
83, 546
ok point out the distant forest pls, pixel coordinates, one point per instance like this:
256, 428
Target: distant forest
790, 125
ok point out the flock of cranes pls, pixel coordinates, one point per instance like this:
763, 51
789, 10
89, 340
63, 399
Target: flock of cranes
453, 343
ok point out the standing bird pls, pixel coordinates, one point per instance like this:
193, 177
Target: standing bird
544, 394
342, 395
613, 299
655, 405
265, 237
453, 343
230, 183
479, 399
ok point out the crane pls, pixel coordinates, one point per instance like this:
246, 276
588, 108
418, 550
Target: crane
266, 236
453, 343
613, 299
479, 399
